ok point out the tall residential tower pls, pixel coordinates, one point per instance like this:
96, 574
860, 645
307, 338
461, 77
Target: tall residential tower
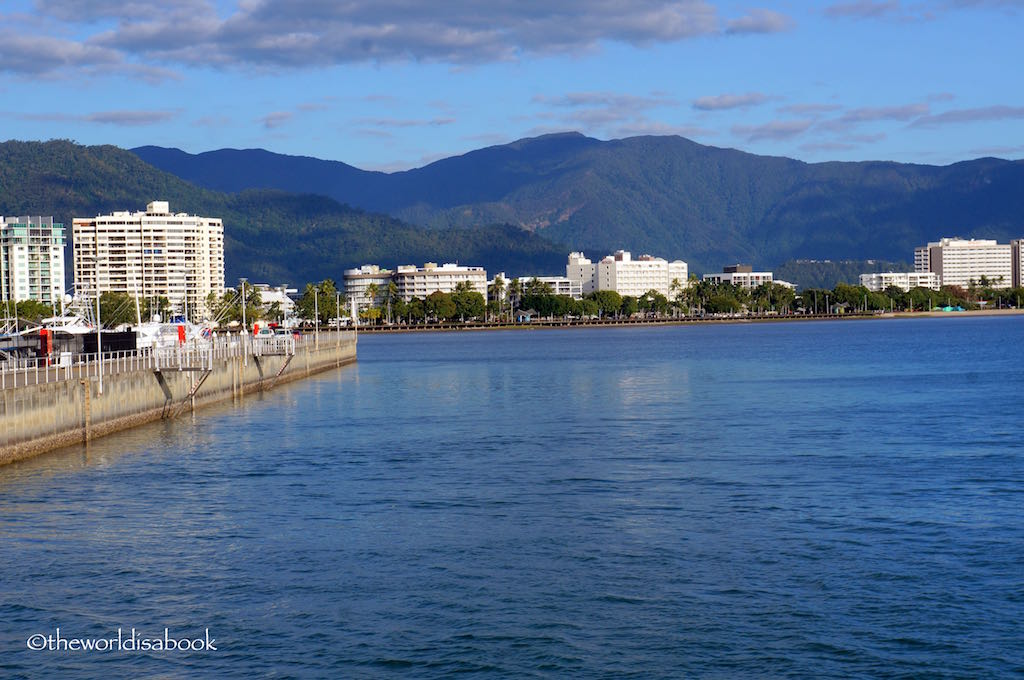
31, 259
149, 254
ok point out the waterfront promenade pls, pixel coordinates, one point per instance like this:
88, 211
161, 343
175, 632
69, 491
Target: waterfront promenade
45, 407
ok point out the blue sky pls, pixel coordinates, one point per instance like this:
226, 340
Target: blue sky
393, 84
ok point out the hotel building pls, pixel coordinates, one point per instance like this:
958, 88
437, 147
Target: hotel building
959, 262
741, 275
878, 282
358, 281
149, 254
31, 260
560, 285
626, 276
419, 282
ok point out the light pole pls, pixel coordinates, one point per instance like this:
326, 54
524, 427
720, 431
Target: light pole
245, 332
316, 316
241, 284
99, 349
337, 312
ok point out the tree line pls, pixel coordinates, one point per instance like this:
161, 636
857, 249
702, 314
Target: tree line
514, 299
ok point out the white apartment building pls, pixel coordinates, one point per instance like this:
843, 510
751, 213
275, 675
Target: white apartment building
357, 282
1017, 262
626, 276
414, 282
149, 254
279, 295
741, 275
581, 270
560, 285
31, 259
879, 281
958, 262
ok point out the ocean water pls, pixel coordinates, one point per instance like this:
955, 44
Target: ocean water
834, 499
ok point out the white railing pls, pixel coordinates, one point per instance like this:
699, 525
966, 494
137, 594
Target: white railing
19, 372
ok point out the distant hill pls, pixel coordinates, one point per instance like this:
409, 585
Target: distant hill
270, 236
665, 195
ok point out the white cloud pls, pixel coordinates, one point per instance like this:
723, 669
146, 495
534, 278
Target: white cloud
776, 129
760, 21
276, 119
730, 101
985, 113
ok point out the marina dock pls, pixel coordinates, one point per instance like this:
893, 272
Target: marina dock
44, 406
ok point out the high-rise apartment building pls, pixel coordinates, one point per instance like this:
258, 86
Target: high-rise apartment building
959, 262
31, 259
149, 254
626, 276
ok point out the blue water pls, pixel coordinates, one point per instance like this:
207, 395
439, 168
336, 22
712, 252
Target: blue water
783, 500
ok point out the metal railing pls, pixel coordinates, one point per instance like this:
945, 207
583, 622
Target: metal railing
20, 372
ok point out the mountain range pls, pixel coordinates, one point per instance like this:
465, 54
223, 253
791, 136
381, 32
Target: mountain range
521, 207
667, 196
269, 235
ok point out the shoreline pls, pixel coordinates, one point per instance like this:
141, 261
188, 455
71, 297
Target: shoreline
684, 321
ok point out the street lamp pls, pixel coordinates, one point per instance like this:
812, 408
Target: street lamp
284, 305
245, 332
241, 284
99, 349
316, 316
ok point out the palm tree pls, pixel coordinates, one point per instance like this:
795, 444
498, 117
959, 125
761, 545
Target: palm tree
515, 291
371, 295
392, 297
675, 290
496, 292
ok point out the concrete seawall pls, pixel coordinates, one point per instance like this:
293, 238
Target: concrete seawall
39, 418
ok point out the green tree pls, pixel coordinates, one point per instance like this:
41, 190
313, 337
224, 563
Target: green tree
31, 312
722, 303
589, 308
515, 294
537, 287
318, 297
440, 306
813, 299
372, 291
496, 295
676, 293
653, 302
116, 309
898, 298
416, 311
468, 304
274, 312
608, 301
394, 301
629, 306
